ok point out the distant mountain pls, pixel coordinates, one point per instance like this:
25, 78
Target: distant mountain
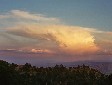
105, 67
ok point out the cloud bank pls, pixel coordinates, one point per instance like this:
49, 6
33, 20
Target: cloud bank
36, 33
70, 39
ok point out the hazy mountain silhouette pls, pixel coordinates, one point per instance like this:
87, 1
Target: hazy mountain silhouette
103, 66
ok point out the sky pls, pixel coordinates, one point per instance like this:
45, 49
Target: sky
39, 31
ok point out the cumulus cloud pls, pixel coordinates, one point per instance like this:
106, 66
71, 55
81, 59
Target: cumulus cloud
69, 39
26, 34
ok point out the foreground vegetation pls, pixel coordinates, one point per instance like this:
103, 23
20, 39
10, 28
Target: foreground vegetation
13, 74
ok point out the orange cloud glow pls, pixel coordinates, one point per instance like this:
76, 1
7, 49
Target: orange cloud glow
76, 41
40, 51
69, 39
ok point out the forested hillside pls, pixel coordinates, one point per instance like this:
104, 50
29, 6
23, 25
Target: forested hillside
13, 74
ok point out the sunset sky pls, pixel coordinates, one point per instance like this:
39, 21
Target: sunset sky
55, 30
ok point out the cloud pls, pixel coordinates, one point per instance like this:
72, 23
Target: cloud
33, 32
109, 33
27, 15
104, 41
41, 51
69, 39
24, 15
3, 16
93, 30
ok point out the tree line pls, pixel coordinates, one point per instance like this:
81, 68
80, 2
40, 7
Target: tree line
13, 74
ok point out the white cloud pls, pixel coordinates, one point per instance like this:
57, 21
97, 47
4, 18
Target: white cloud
19, 14
31, 16
93, 30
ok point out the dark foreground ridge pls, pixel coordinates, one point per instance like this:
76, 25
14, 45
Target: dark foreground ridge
13, 74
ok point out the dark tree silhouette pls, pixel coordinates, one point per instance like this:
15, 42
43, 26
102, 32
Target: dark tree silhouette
13, 74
